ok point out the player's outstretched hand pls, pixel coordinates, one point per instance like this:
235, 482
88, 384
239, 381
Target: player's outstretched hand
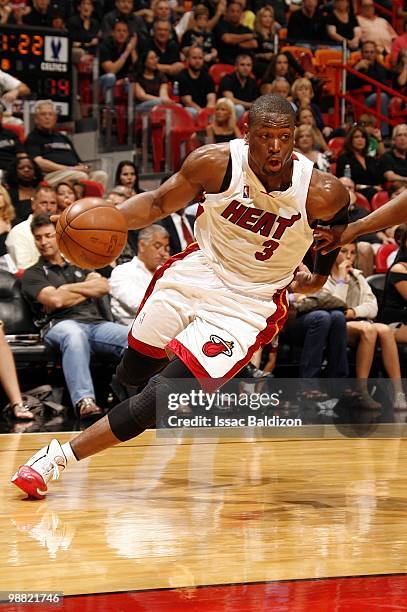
326, 240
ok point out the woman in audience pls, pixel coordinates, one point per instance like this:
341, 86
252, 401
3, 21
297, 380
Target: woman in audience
400, 73
305, 116
341, 24
223, 127
151, 87
305, 142
278, 67
365, 171
22, 178
84, 28
65, 196
265, 27
127, 177
9, 381
302, 94
349, 285
7, 214
394, 305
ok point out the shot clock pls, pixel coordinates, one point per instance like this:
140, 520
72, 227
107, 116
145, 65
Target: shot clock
41, 58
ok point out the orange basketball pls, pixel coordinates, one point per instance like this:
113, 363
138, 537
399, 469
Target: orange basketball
91, 233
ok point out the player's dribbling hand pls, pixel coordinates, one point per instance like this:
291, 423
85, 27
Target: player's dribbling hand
327, 240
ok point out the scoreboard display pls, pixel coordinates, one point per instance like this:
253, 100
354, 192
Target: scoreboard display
40, 58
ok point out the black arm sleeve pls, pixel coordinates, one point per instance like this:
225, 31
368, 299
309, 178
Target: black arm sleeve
324, 263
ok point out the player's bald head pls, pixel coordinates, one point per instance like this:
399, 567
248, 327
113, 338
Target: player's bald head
268, 107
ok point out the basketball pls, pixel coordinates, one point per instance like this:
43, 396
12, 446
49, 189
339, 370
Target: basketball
91, 233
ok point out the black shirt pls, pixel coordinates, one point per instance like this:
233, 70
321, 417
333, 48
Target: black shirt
229, 52
394, 309
22, 207
248, 92
170, 55
110, 52
392, 162
9, 147
196, 37
343, 29
375, 71
304, 28
35, 18
52, 146
152, 86
197, 88
77, 31
44, 274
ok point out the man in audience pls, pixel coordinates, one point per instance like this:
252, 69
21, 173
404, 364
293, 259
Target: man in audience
20, 241
239, 86
40, 14
399, 43
305, 24
124, 12
201, 35
10, 145
374, 28
180, 228
232, 37
64, 300
117, 56
196, 87
54, 152
129, 281
168, 53
394, 162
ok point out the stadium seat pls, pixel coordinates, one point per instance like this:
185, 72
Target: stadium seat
218, 71
92, 189
379, 198
382, 255
324, 62
398, 110
377, 282
17, 129
182, 128
336, 146
362, 201
203, 118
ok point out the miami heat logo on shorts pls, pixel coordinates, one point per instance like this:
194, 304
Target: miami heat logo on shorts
217, 346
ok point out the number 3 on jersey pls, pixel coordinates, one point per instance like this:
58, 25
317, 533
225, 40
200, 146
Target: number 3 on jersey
269, 247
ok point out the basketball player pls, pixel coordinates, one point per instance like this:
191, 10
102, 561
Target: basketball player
222, 298
392, 213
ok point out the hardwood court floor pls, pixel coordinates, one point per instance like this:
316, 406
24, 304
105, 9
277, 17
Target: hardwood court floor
159, 513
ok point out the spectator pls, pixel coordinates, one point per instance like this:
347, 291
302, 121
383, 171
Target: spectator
394, 162
279, 67
376, 145
305, 143
22, 179
7, 214
151, 87
64, 300
342, 25
371, 67
5, 11
305, 116
239, 86
399, 43
233, 38
9, 381
10, 145
394, 304
266, 28
11, 88
374, 28
127, 177
167, 50
365, 171
54, 152
20, 241
40, 15
201, 35
118, 57
302, 95
129, 281
223, 127
196, 87
304, 25
124, 13
65, 196
282, 87
84, 28
350, 285
162, 11
180, 227
400, 73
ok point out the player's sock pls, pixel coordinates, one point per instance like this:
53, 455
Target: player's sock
68, 452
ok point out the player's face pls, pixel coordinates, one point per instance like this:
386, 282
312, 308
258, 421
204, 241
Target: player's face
44, 201
45, 238
155, 252
271, 144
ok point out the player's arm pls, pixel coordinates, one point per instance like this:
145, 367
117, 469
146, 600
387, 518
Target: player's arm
203, 170
327, 204
392, 213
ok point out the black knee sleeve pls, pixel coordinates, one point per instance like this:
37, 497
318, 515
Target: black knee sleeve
136, 369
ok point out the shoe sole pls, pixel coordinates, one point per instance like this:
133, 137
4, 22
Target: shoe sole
30, 481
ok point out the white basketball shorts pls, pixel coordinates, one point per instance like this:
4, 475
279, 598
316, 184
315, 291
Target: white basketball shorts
211, 328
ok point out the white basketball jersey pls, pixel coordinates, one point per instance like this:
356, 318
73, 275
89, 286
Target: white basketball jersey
252, 239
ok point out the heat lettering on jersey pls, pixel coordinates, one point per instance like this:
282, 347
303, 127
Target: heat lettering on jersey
257, 220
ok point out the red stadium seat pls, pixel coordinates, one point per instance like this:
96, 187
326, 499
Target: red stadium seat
218, 71
379, 198
203, 118
92, 189
336, 146
362, 201
182, 128
382, 255
17, 129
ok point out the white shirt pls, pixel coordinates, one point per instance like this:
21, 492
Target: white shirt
7, 83
177, 222
20, 244
128, 284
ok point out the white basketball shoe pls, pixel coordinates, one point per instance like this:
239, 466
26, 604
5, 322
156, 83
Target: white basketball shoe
34, 475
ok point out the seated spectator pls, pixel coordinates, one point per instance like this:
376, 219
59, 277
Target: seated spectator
84, 28
129, 281
341, 24
374, 28
349, 284
151, 87
232, 37
248, 17
376, 145
400, 73
239, 86
118, 57
201, 35
282, 87
20, 241
196, 87
127, 176
64, 301
394, 162
302, 94
282, 65
180, 228
305, 25
365, 171
167, 50
5, 11
305, 116
54, 152
305, 143
65, 196
280, 8
223, 127
371, 67
10, 145
40, 14
399, 43
9, 381
124, 12
22, 179
266, 28
7, 214
394, 305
